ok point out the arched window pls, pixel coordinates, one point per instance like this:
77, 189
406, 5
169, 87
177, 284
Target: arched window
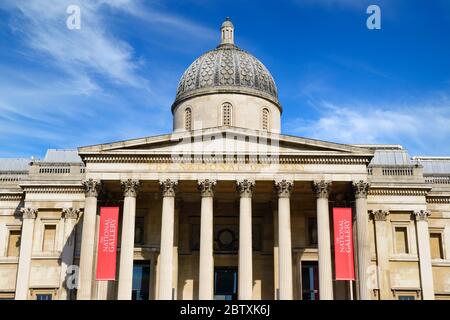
227, 111
188, 119
265, 119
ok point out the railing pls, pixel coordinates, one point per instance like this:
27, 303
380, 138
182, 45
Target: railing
437, 179
401, 171
12, 177
54, 170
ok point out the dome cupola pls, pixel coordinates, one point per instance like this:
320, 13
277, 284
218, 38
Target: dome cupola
226, 73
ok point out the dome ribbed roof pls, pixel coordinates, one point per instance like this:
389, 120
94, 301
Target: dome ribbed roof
227, 69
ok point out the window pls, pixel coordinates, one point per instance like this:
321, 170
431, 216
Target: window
265, 119
312, 231
188, 119
437, 250
48, 243
227, 110
44, 296
13, 243
401, 240
139, 230
406, 297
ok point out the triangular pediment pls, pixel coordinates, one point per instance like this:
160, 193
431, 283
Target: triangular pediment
226, 140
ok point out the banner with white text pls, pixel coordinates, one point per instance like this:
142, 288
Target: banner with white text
107, 243
343, 244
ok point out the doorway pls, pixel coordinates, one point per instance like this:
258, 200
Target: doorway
310, 280
225, 283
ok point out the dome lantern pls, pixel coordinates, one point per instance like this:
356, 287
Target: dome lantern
227, 32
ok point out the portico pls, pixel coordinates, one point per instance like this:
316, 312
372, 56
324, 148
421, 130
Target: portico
224, 219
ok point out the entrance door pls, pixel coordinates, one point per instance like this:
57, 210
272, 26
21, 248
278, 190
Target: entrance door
225, 283
310, 280
141, 280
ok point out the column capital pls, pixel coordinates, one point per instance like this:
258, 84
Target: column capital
71, 213
207, 187
321, 188
245, 187
130, 187
168, 187
360, 187
380, 215
422, 215
29, 213
91, 187
284, 188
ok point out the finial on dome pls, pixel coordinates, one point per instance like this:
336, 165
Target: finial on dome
227, 32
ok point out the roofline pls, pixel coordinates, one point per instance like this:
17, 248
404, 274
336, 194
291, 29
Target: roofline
431, 158
380, 146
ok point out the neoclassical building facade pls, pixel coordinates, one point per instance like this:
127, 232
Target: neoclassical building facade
226, 206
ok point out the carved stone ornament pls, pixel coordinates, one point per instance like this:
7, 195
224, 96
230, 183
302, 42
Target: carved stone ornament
284, 188
321, 188
422, 215
71, 213
29, 213
361, 188
130, 187
245, 187
91, 187
207, 187
168, 187
380, 215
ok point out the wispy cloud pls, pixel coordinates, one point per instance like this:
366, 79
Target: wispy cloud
422, 127
64, 88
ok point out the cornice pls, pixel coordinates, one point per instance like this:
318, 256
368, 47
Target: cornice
398, 191
53, 189
438, 199
224, 158
11, 197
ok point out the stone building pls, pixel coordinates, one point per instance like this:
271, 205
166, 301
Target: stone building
225, 206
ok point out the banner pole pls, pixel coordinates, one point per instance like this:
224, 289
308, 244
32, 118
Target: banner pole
351, 290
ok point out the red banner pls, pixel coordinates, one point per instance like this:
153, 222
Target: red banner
107, 243
343, 244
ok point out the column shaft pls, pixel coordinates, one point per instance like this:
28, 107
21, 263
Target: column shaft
206, 286
167, 240
285, 249
426, 269
245, 273
322, 190
70, 216
245, 250
88, 240
363, 243
284, 189
25, 253
381, 234
130, 188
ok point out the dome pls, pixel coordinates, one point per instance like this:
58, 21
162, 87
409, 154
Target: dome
227, 69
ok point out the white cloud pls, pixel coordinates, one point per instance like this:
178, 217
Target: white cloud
421, 127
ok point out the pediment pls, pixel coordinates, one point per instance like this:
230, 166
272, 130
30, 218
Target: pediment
226, 140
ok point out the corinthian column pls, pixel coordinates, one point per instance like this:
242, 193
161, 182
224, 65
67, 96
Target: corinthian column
322, 191
381, 234
130, 189
70, 216
26, 249
423, 240
92, 188
206, 277
362, 231
168, 189
284, 189
245, 275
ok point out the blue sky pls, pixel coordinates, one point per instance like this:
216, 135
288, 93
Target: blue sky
116, 78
